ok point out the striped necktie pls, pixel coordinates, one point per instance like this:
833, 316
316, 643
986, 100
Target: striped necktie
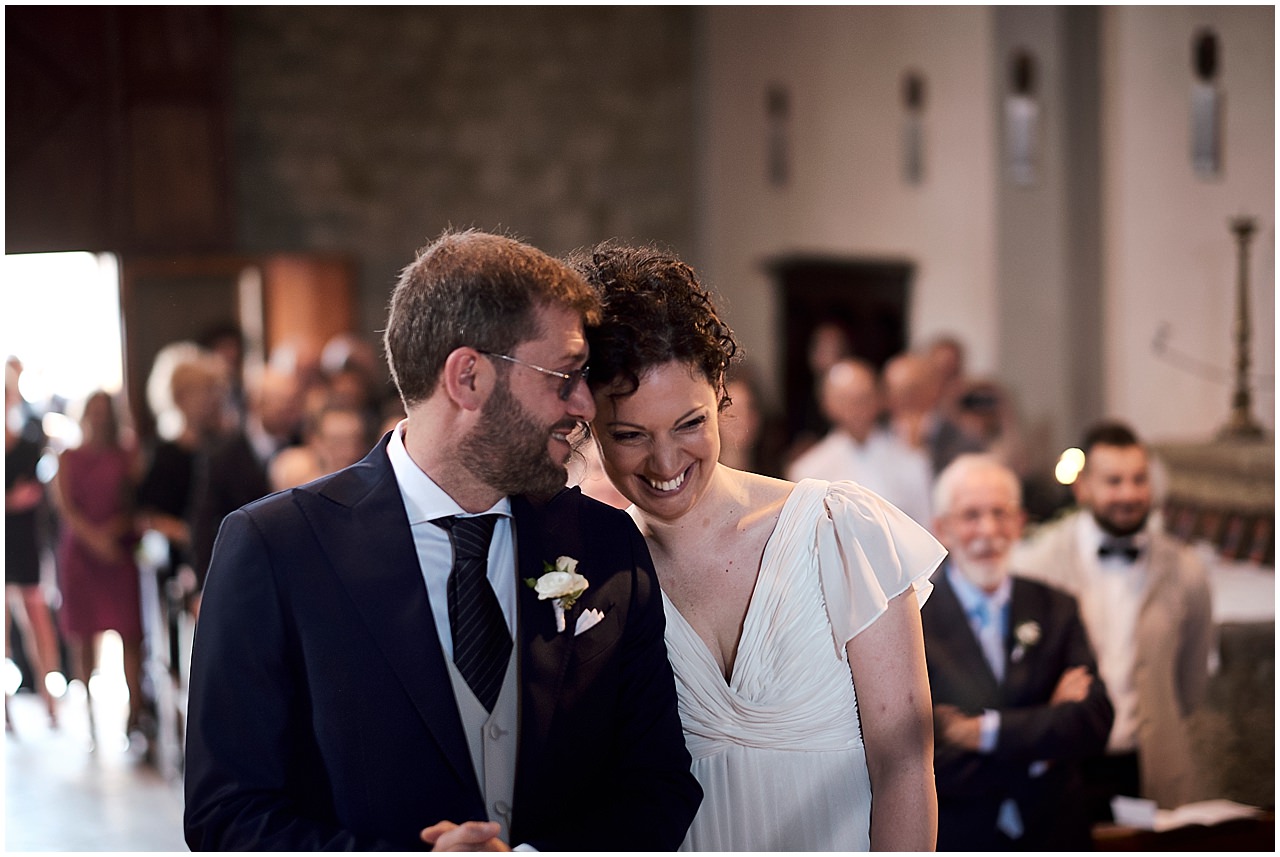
481, 641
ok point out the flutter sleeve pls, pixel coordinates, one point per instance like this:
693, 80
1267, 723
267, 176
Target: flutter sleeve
868, 552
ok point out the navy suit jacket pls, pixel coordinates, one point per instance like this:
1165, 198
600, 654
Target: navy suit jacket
321, 715
971, 786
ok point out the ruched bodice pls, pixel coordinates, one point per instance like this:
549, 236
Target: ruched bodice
778, 747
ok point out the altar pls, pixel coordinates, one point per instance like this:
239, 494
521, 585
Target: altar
1220, 497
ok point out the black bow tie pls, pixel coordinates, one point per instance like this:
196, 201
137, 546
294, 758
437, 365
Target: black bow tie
1122, 550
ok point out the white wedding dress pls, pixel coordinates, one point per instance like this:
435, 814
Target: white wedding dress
778, 748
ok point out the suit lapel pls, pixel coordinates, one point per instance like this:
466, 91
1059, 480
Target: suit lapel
1016, 672
955, 636
380, 570
1161, 562
544, 650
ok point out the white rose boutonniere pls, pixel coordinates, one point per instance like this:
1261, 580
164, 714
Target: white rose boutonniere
1027, 634
560, 583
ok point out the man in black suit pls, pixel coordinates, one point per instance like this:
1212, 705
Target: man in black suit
1017, 701
370, 669
233, 471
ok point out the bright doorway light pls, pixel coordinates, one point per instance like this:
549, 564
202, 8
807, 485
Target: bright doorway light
61, 318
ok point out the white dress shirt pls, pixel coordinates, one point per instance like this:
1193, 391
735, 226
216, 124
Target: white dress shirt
425, 501
1110, 602
976, 601
884, 464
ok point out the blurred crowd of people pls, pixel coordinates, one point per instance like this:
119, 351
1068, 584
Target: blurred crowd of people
94, 520
892, 428
80, 505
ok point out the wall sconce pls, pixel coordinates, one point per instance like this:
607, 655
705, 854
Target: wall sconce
1206, 106
777, 105
1021, 120
913, 128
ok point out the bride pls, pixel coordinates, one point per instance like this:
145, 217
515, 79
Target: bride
792, 609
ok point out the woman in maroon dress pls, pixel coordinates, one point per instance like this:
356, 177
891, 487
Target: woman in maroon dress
96, 569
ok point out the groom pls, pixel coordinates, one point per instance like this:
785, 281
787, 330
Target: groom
371, 670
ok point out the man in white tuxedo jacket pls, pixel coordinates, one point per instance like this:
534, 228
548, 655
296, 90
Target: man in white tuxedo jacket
1145, 599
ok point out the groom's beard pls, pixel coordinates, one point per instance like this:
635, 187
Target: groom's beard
508, 449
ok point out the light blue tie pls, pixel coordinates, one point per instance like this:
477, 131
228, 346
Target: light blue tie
988, 632
1009, 820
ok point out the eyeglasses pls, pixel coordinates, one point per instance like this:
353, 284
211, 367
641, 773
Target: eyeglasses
1000, 514
569, 380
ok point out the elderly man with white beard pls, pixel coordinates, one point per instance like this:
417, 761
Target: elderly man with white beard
1017, 701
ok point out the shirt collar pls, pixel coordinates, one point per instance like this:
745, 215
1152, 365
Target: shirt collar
851, 441
424, 500
1092, 535
970, 596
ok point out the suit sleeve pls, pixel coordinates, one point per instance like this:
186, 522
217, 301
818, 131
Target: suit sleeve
1066, 730
243, 744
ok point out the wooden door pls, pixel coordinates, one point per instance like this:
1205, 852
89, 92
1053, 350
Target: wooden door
867, 300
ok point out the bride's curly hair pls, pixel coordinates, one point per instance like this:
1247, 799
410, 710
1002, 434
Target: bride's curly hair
655, 311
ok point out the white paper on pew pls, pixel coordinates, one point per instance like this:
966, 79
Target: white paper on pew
1206, 812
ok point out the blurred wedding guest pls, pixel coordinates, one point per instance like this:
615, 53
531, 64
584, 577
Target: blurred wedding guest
945, 356
829, 342
740, 426
334, 438
586, 471
94, 495
1146, 601
352, 365
908, 397
347, 373
24, 499
187, 391
860, 450
274, 420
25, 416
749, 439
985, 410
226, 341
1016, 699
912, 390
299, 357
233, 470
352, 388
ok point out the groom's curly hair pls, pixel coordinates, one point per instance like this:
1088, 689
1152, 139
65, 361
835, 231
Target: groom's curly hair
654, 311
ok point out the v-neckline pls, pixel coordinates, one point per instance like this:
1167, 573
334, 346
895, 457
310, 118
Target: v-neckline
704, 649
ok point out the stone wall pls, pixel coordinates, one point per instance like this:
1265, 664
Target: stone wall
367, 130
